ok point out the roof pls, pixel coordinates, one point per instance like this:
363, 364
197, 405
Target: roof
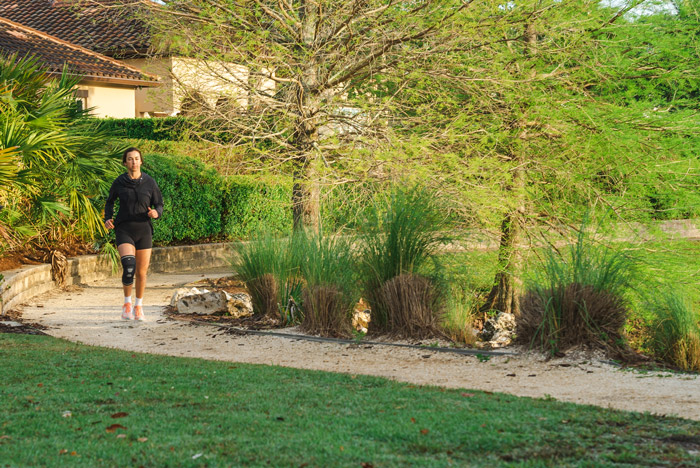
106, 28
55, 54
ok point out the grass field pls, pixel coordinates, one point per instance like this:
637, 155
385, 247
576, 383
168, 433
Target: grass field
64, 404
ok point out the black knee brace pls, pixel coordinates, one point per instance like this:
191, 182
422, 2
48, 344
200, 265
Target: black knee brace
129, 265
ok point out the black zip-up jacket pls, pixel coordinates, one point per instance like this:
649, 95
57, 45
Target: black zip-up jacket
135, 197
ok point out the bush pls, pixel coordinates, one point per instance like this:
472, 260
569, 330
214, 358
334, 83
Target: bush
577, 300
327, 265
269, 267
458, 321
400, 239
200, 205
167, 128
252, 206
674, 332
193, 200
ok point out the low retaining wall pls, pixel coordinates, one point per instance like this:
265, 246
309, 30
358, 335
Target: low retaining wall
24, 283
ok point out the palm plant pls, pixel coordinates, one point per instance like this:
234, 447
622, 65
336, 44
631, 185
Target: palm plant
54, 163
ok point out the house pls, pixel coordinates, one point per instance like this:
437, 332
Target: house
113, 32
107, 85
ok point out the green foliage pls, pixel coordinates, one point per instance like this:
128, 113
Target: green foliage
193, 201
674, 331
330, 283
400, 237
166, 128
54, 161
201, 205
253, 205
269, 266
579, 298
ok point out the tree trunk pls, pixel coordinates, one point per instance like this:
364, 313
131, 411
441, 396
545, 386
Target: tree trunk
504, 293
306, 191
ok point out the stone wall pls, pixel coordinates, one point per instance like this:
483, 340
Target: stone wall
22, 284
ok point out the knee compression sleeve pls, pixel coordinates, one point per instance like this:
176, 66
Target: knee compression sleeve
129, 265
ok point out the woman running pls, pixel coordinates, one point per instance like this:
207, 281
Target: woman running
140, 201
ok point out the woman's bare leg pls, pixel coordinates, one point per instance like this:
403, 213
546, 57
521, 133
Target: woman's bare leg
143, 260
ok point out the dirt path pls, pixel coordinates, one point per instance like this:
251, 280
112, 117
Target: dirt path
90, 315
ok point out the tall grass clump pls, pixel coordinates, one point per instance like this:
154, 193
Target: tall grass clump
578, 298
269, 266
460, 313
330, 284
674, 332
399, 270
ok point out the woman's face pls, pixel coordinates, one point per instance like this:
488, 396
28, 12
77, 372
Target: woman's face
133, 161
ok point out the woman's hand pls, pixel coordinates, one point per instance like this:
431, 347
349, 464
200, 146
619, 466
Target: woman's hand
152, 213
109, 224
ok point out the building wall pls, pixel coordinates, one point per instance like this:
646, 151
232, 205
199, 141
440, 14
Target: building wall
215, 82
110, 100
155, 101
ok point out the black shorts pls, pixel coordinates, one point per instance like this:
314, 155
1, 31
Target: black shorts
139, 234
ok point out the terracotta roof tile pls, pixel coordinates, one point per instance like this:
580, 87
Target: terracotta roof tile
55, 54
109, 31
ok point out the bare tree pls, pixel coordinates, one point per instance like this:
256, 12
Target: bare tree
301, 69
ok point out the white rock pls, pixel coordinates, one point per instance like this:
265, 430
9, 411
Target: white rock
184, 292
239, 304
205, 302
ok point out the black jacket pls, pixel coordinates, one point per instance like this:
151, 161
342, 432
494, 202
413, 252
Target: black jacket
135, 197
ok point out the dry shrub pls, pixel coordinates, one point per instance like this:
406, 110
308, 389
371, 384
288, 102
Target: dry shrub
559, 319
412, 306
686, 353
264, 291
326, 312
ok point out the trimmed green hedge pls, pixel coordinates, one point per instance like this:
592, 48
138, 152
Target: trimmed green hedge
166, 128
199, 204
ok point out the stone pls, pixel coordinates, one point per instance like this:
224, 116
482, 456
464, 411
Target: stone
207, 303
360, 320
183, 292
499, 330
204, 302
239, 305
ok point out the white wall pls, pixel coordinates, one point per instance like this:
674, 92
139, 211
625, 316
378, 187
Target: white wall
110, 100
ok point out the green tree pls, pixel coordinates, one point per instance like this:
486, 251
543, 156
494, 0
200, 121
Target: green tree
307, 64
515, 128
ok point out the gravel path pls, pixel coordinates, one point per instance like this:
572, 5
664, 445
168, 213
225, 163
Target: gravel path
90, 315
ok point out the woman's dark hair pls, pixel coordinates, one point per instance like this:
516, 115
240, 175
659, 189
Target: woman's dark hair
129, 150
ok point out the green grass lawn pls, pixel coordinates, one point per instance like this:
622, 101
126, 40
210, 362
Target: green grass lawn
131, 409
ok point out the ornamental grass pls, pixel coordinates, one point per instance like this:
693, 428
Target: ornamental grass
577, 299
400, 274
330, 283
674, 332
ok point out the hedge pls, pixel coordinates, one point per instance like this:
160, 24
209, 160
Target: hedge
199, 204
166, 128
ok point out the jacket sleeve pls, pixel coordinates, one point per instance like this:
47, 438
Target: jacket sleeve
157, 199
111, 198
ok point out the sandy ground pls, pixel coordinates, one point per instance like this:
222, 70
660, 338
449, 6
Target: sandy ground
91, 315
